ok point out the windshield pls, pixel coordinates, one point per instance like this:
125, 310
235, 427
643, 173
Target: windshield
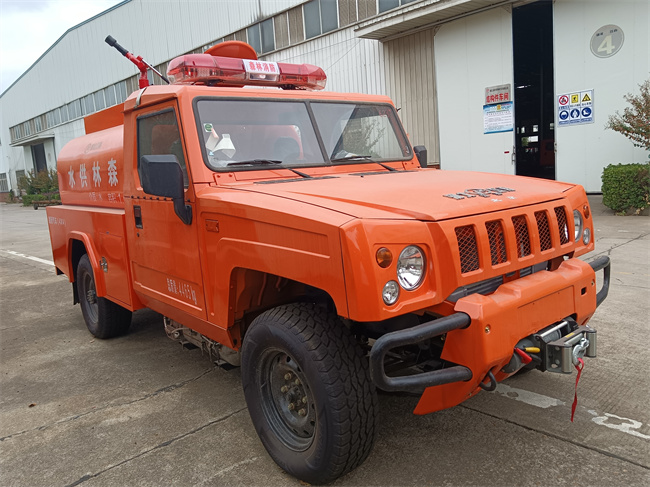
350, 130
238, 134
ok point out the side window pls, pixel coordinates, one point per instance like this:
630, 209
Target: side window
158, 135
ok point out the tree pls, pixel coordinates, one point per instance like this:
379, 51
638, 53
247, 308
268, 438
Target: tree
634, 122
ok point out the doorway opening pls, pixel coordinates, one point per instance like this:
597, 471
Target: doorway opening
532, 38
38, 157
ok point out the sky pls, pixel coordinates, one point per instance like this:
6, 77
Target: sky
28, 28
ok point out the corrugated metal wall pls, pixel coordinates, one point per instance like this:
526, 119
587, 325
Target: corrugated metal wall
410, 82
351, 64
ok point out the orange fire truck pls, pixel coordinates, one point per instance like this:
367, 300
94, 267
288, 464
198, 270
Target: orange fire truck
298, 234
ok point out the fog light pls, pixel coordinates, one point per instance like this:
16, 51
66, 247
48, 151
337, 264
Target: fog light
390, 292
586, 236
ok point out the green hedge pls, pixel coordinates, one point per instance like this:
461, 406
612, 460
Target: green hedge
626, 187
28, 199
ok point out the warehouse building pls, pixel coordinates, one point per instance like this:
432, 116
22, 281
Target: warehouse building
512, 87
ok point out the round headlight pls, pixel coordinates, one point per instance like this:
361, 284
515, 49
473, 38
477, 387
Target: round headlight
586, 236
390, 293
410, 267
577, 224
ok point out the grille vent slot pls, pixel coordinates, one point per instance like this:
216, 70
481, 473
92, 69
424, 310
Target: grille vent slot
562, 224
521, 232
544, 230
467, 248
497, 238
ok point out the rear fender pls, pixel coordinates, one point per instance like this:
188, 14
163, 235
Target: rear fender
91, 251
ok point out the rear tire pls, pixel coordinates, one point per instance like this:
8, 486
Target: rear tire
104, 318
308, 391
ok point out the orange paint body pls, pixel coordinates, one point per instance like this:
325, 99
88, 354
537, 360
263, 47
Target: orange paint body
263, 236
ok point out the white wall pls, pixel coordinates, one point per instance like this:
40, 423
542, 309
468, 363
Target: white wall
584, 150
471, 54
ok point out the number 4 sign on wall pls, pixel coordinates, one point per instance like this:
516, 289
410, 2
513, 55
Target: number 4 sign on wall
607, 41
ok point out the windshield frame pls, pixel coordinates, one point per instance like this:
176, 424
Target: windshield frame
395, 123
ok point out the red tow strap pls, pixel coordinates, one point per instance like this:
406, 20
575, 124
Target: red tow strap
575, 397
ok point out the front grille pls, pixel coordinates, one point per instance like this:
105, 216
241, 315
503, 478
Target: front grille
497, 242
544, 230
511, 238
521, 232
562, 224
467, 248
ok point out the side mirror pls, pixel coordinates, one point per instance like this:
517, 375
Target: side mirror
421, 153
162, 176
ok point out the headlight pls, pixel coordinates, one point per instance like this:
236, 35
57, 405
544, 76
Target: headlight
390, 293
586, 236
410, 267
577, 224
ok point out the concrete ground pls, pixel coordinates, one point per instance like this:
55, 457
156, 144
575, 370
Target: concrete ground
140, 410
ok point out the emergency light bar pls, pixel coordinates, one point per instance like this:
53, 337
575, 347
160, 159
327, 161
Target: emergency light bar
227, 71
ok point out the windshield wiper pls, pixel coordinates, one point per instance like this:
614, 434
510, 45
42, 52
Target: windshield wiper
261, 162
352, 158
362, 158
255, 162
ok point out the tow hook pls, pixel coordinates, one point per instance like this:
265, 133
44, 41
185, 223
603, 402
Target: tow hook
579, 350
492, 385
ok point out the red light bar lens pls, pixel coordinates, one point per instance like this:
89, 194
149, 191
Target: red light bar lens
306, 76
207, 69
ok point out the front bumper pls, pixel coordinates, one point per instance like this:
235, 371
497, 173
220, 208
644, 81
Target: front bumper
483, 332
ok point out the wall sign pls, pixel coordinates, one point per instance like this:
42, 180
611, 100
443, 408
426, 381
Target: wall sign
497, 94
575, 108
607, 41
498, 118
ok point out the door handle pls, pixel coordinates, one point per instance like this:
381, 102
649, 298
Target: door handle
137, 215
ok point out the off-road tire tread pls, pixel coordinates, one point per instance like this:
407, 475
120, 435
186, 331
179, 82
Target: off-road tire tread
344, 369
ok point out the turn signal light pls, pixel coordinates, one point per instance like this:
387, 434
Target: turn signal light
384, 257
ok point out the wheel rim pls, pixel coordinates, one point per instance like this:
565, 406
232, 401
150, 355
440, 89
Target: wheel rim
89, 296
287, 401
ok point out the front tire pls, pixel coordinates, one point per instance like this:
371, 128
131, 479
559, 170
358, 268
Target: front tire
104, 318
308, 392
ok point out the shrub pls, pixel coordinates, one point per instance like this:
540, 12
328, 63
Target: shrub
39, 187
626, 186
634, 122
42, 182
28, 199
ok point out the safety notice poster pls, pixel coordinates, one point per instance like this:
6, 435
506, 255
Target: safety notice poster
575, 108
498, 118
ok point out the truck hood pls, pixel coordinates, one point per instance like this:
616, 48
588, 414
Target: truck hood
421, 194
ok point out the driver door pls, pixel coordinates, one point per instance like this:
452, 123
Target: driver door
165, 257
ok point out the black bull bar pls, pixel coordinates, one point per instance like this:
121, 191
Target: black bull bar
437, 327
